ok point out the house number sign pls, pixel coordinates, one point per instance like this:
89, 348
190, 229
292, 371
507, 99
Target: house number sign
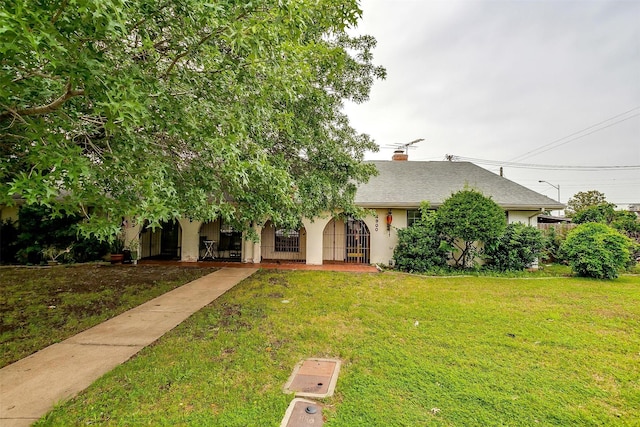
377, 221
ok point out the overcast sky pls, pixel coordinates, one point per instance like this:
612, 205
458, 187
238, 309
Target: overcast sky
506, 81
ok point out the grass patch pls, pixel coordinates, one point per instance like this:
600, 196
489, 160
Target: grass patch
40, 306
416, 351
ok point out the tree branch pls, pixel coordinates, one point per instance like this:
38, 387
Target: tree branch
185, 53
45, 109
59, 12
200, 43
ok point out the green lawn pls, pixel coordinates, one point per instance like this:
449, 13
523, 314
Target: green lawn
40, 306
417, 351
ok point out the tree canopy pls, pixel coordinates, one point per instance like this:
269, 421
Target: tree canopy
584, 200
161, 109
467, 217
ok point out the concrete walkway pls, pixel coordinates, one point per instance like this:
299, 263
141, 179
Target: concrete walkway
344, 267
29, 388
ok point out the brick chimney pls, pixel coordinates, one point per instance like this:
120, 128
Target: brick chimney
400, 156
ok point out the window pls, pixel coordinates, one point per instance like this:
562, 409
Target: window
413, 215
287, 240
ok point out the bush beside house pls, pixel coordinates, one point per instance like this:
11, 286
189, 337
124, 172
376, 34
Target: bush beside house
37, 236
466, 218
597, 250
518, 248
419, 247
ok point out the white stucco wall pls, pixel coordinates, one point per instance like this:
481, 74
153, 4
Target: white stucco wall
132, 237
190, 244
9, 212
384, 241
525, 217
315, 230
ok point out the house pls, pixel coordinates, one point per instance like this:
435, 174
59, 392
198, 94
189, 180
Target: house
393, 196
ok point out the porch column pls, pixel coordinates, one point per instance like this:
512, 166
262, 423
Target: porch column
190, 243
315, 231
132, 237
251, 250
257, 245
247, 248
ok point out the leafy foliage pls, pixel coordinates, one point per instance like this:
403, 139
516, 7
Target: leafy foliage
553, 237
467, 217
516, 249
628, 223
583, 200
39, 232
419, 247
158, 110
604, 213
597, 250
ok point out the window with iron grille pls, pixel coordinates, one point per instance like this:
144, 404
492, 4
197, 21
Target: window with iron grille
287, 240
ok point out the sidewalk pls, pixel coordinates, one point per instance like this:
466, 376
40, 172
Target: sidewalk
30, 387
344, 267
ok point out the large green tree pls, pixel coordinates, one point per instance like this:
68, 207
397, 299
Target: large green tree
160, 109
583, 200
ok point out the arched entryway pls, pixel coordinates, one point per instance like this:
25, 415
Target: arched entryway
219, 241
161, 243
346, 241
277, 244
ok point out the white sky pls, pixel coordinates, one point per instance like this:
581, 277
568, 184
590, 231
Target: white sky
497, 79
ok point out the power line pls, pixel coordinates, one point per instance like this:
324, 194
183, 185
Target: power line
537, 151
543, 167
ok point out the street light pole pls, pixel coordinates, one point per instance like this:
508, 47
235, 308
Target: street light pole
557, 187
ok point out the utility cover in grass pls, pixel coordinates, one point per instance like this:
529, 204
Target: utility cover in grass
314, 378
302, 413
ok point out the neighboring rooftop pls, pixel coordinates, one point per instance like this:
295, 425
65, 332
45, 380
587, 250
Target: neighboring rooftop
404, 184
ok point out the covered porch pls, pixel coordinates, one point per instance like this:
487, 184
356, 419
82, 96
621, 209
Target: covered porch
319, 241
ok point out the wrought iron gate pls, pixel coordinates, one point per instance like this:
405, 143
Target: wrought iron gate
358, 242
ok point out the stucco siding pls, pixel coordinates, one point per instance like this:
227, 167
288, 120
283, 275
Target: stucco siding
268, 245
9, 213
384, 241
524, 217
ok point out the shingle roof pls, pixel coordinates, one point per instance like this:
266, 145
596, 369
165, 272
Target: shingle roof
404, 184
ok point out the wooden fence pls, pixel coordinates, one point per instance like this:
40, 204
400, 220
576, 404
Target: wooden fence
561, 227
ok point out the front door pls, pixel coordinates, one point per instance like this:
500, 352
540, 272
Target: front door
357, 242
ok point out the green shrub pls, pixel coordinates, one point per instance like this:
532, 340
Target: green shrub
468, 217
553, 237
604, 213
597, 250
516, 249
39, 230
419, 247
